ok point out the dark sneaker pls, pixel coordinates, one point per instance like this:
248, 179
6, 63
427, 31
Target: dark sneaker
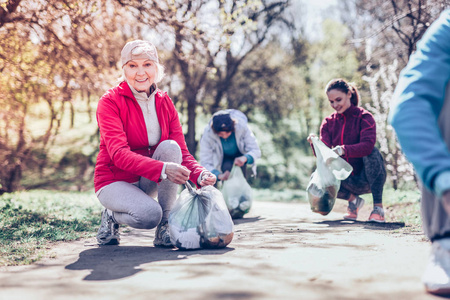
162, 236
353, 209
108, 233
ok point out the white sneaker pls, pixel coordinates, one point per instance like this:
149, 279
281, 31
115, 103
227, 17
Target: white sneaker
437, 273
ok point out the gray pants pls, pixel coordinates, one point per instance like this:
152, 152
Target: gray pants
134, 204
435, 220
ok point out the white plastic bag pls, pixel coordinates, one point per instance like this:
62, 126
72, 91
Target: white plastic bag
326, 180
200, 219
237, 193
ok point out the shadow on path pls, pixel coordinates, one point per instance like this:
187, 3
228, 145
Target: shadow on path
247, 220
364, 224
115, 262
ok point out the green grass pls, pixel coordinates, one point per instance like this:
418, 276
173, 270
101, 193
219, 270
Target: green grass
403, 206
282, 195
31, 221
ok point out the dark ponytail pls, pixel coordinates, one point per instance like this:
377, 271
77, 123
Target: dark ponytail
344, 86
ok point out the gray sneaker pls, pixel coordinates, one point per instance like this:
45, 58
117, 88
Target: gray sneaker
437, 273
108, 233
162, 236
353, 209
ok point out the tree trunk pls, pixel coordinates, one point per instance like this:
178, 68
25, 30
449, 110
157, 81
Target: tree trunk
190, 135
13, 180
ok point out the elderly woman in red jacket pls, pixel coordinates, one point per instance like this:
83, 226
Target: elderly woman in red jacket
351, 133
143, 154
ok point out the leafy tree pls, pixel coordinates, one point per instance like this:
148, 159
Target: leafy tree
49, 63
382, 85
57, 56
387, 31
393, 26
331, 57
211, 40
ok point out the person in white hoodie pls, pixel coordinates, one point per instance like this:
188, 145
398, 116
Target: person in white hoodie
227, 140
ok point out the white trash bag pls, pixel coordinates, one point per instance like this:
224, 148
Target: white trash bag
237, 193
200, 219
325, 181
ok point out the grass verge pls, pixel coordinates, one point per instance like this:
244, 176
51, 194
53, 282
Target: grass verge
31, 221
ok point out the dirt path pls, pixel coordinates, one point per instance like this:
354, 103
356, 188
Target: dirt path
280, 251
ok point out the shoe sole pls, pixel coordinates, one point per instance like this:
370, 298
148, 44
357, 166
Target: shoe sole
357, 211
439, 292
111, 241
377, 221
163, 245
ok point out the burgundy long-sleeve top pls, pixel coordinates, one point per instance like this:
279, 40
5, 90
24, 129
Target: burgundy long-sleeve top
355, 130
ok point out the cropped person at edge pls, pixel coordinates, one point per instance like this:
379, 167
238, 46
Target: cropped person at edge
420, 115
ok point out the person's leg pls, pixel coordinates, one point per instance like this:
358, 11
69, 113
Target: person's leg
345, 194
350, 190
375, 172
166, 190
376, 176
377, 214
167, 151
128, 204
244, 170
227, 163
436, 225
125, 204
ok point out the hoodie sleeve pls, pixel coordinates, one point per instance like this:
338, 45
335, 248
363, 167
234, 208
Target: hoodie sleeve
367, 137
251, 146
206, 150
417, 103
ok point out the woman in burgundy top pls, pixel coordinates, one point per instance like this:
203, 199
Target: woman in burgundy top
351, 133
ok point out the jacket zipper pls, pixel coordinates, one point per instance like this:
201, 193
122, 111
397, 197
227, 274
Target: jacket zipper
343, 128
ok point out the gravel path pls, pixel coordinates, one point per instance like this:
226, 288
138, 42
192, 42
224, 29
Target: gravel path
280, 251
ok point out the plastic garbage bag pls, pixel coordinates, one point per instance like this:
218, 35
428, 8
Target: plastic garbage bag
326, 179
200, 219
237, 193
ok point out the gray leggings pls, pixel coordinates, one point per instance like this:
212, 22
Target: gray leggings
134, 204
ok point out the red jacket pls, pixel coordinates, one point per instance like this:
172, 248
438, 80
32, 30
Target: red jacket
124, 153
355, 129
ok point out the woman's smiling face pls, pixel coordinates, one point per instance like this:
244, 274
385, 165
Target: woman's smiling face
140, 74
339, 100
